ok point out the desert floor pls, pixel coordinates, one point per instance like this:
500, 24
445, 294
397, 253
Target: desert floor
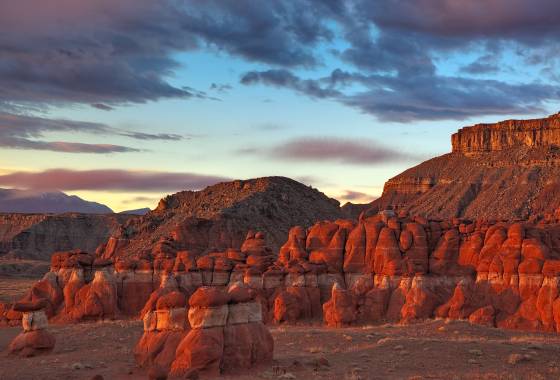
14, 288
428, 350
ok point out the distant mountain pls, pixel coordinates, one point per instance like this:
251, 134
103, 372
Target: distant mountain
56, 202
138, 211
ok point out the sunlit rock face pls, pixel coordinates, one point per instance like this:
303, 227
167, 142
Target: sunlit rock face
507, 134
382, 268
505, 171
219, 331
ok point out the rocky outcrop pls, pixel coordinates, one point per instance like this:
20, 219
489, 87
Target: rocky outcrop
38, 236
35, 339
219, 217
507, 134
504, 171
221, 331
381, 268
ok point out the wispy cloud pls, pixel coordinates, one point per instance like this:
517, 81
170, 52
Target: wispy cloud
331, 149
108, 179
356, 197
27, 132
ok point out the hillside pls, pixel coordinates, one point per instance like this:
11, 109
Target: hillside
37, 236
220, 216
507, 170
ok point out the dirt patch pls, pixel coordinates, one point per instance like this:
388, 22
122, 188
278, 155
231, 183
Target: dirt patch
428, 350
23, 268
13, 288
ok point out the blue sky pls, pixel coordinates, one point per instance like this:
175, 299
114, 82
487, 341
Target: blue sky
339, 95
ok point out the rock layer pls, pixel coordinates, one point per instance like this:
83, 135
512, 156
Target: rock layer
38, 236
381, 268
507, 134
505, 171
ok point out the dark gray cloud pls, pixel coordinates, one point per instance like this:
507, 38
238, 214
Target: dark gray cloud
108, 179
28, 132
284, 78
104, 54
505, 19
220, 87
482, 65
420, 97
395, 47
331, 149
102, 107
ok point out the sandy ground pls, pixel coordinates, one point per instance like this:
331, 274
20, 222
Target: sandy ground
428, 350
23, 268
13, 288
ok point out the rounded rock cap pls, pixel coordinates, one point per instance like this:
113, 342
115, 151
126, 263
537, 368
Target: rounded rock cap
207, 296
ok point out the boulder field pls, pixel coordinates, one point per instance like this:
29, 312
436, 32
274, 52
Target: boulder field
382, 268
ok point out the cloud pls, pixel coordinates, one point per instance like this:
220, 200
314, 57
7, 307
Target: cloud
220, 87
140, 199
331, 149
63, 146
506, 19
285, 78
24, 132
107, 53
420, 97
356, 197
102, 107
108, 179
270, 127
482, 65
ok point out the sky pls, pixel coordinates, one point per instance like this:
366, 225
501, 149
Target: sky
125, 101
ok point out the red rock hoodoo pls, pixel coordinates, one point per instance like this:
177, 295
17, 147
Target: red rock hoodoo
35, 339
220, 331
381, 268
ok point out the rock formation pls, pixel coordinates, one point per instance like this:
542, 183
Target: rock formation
507, 134
383, 267
219, 217
221, 331
35, 339
504, 171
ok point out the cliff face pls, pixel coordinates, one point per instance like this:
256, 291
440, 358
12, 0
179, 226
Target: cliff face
37, 236
219, 217
507, 134
508, 170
